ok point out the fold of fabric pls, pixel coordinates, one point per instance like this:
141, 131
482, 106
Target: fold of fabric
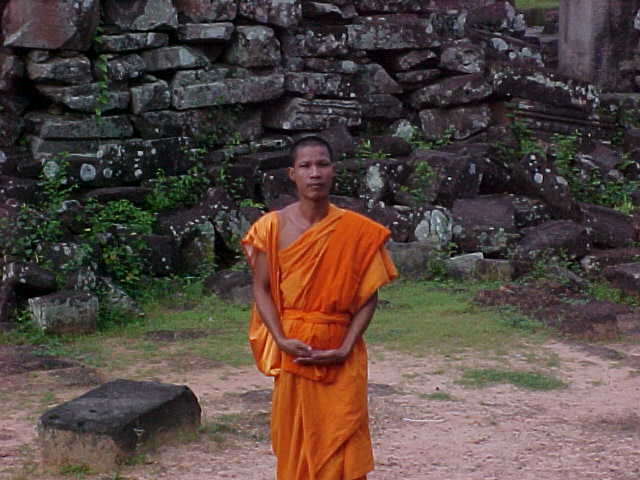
319, 419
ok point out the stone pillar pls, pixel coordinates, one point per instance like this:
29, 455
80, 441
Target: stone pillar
597, 41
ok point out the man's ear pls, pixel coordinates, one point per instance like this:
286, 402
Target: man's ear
290, 173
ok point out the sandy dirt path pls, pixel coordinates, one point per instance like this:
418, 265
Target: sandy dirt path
587, 431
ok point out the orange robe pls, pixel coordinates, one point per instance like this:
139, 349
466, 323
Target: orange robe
319, 421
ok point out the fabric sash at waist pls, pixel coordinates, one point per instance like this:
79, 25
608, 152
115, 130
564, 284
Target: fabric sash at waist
316, 317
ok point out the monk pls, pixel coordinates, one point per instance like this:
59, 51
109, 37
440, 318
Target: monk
316, 272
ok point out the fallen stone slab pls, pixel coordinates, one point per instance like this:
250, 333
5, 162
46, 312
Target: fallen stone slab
317, 114
283, 13
133, 41
316, 41
65, 312
410, 258
173, 58
461, 122
65, 70
205, 32
115, 421
86, 98
319, 84
204, 11
141, 15
255, 46
626, 277
471, 88
60, 127
392, 32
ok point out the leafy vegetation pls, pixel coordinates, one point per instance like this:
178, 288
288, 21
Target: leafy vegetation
530, 380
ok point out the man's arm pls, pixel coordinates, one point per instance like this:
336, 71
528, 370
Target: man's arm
269, 314
359, 324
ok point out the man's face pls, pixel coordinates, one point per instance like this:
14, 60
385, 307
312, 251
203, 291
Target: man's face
312, 172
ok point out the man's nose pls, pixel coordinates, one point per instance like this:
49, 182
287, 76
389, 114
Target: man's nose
315, 171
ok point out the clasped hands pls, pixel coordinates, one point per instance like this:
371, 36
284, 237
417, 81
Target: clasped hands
305, 355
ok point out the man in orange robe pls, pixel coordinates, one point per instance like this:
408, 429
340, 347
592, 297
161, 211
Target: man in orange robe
316, 272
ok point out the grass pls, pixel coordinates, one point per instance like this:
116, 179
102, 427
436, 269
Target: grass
525, 4
440, 396
424, 317
247, 426
529, 380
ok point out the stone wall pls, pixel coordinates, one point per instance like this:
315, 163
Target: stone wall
125, 89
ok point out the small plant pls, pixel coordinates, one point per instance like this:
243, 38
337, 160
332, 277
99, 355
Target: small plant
365, 151
168, 193
439, 396
418, 142
76, 471
102, 67
530, 380
422, 178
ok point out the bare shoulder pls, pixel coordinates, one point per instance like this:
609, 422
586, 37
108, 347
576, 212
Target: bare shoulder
285, 214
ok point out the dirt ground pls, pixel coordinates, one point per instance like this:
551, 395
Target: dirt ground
587, 431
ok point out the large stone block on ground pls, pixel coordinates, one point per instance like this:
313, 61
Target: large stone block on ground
30, 279
392, 32
255, 46
452, 91
626, 277
484, 224
204, 11
317, 114
607, 227
128, 42
554, 237
87, 98
463, 56
64, 70
461, 122
141, 15
411, 259
230, 285
67, 126
435, 228
283, 13
229, 91
104, 427
50, 25
65, 312
597, 260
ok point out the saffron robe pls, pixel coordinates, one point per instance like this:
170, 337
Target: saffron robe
319, 421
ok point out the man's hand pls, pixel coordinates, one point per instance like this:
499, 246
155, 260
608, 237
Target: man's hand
294, 347
323, 357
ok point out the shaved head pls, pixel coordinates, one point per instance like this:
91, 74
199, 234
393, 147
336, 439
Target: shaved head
310, 141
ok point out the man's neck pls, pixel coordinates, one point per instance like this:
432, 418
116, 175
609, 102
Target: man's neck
313, 212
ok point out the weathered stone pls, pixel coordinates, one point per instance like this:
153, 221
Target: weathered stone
493, 270
559, 237
435, 228
301, 114
328, 11
452, 91
229, 91
164, 256
463, 266
254, 47
320, 41
135, 195
65, 255
126, 67
115, 299
63, 24
461, 122
113, 422
597, 260
142, 15
413, 6
400, 220
534, 84
282, 13
30, 280
530, 211
65, 312
198, 248
326, 65
11, 127
596, 37
173, 58
500, 16
484, 224
392, 32
319, 84
417, 78
600, 156
227, 284
342, 142
410, 258
66, 71
128, 42
204, 11
11, 71
607, 227
87, 98
452, 176
535, 176
625, 276
373, 78
70, 126
411, 60
21, 189
199, 123
514, 51
276, 184
8, 304
150, 96
462, 56
390, 145
380, 178
205, 32
380, 105
214, 73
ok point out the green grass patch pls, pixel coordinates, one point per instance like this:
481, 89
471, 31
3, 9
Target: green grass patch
440, 396
235, 425
530, 380
526, 4
425, 317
